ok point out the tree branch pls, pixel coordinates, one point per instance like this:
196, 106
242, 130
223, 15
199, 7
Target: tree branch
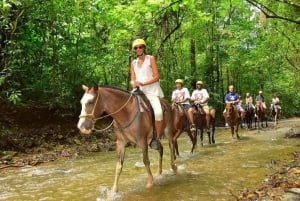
290, 3
269, 13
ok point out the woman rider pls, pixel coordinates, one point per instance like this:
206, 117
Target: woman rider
145, 75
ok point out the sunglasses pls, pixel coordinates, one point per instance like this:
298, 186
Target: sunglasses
138, 47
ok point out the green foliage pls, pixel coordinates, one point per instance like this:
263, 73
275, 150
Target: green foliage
48, 50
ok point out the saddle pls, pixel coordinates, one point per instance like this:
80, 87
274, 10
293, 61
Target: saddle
144, 105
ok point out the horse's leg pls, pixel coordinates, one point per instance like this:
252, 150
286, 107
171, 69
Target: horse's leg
176, 151
232, 131
236, 130
193, 138
201, 136
213, 133
177, 134
173, 165
209, 137
160, 154
213, 126
121, 154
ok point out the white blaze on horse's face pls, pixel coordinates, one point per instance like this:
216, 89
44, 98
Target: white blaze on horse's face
85, 123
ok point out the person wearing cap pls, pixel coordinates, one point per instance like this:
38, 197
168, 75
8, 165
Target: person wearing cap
249, 100
261, 99
181, 95
199, 96
145, 75
234, 98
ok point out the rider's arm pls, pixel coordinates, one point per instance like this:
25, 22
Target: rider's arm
132, 75
205, 97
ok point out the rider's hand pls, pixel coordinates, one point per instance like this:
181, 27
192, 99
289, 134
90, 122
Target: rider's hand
135, 84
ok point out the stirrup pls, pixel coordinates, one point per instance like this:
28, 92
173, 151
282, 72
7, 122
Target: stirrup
193, 127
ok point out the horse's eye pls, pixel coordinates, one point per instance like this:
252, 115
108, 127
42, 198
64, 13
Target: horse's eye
90, 103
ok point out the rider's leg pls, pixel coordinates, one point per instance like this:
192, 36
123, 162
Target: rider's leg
158, 116
207, 116
191, 117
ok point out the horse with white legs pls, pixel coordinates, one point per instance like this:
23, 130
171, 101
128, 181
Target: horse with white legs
275, 113
131, 123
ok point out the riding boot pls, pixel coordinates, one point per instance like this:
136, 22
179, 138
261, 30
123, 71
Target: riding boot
155, 140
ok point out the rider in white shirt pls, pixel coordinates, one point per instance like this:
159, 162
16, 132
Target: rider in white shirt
199, 96
181, 95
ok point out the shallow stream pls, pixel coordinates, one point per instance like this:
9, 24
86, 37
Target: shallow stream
213, 172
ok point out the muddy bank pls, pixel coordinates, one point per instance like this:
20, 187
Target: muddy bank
36, 134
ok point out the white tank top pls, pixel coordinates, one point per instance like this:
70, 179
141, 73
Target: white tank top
145, 73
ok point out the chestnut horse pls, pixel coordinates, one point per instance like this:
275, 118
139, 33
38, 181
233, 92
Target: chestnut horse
131, 123
182, 124
260, 115
233, 119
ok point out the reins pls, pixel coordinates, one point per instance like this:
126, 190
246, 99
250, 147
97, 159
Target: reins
94, 120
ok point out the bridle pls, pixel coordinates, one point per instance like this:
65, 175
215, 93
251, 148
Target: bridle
230, 110
94, 119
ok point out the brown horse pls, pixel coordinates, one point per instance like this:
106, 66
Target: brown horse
182, 124
260, 115
131, 124
233, 119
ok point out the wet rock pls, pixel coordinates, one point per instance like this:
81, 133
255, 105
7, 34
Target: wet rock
93, 148
292, 194
104, 147
6, 158
77, 141
293, 132
65, 153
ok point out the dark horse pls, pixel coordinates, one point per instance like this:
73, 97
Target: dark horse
210, 126
249, 115
181, 124
131, 124
260, 115
233, 119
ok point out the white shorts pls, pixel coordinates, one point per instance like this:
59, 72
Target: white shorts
155, 103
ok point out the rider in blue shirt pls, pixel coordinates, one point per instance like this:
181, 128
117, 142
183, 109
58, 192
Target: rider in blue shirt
233, 97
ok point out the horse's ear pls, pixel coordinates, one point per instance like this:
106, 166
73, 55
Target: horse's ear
95, 87
85, 88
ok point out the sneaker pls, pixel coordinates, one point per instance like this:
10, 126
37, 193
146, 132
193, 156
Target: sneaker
193, 127
226, 125
154, 144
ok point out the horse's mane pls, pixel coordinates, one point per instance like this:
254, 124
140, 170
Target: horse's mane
114, 87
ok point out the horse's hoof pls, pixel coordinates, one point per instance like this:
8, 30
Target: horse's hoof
114, 189
149, 185
174, 167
